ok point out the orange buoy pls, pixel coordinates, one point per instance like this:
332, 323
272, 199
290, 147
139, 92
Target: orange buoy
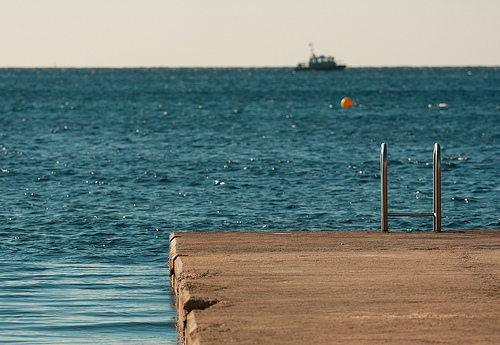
346, 102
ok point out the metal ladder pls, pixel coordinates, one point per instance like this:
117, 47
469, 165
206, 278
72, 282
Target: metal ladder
436, 193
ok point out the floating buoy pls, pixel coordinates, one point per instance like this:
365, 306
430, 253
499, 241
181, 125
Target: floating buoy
346, 102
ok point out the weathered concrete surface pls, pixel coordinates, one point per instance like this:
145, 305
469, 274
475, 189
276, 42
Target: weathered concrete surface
337, 287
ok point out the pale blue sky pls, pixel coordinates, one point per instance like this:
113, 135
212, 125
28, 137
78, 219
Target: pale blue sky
189, 33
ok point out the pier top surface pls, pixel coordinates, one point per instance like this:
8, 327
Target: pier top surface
334, 287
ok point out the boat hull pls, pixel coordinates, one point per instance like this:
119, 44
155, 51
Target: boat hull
321, 68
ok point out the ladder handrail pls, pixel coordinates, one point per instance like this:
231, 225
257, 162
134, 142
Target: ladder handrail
383, 181
436, 191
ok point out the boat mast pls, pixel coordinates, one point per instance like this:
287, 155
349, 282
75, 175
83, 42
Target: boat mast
312, 50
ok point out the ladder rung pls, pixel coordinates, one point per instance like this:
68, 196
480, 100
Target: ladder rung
411, 214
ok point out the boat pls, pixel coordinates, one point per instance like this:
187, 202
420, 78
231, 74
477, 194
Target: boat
320, 63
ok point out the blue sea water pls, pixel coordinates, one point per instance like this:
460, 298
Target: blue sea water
99, 166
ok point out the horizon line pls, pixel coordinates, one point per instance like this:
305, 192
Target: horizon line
236, 67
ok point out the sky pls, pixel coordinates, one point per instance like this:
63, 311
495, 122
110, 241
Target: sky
250, 33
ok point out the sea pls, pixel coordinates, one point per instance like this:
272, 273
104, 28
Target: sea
99, 166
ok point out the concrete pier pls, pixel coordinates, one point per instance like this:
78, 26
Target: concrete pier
337, 287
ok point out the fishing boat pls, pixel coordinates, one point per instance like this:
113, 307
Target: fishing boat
320, 63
